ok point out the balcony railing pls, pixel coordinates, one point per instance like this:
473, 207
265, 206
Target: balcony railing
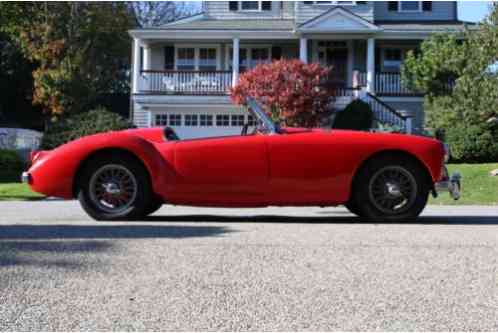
388, 84
185, 82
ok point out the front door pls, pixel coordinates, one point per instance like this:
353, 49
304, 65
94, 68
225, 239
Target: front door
337, 58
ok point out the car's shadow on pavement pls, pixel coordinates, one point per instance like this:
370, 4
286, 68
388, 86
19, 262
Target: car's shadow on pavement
61, 246
426, 220
132, 231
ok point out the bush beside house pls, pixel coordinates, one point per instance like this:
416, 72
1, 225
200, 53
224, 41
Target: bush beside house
289, 90
358, 115
11, 166
76, 126
468, 110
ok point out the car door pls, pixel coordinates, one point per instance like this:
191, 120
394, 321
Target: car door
222, 170
308, 168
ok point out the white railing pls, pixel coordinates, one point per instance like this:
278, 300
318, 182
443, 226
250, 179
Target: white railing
185, 82
387, 84
386, 115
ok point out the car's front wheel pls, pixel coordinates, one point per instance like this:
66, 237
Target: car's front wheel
115, 187
391, 189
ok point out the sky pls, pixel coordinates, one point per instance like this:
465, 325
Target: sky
473, 11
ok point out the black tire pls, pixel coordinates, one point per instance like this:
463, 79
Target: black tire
390, 189
89, 195
153, 206
353, 208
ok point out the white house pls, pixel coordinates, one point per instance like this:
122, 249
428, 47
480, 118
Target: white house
182, 71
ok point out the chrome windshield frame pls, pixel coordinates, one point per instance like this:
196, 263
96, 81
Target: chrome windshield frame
262, 116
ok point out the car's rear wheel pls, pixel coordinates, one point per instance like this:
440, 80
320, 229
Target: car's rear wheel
115, 187
391, 189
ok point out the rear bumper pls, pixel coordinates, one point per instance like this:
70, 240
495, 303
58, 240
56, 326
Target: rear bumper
452, 185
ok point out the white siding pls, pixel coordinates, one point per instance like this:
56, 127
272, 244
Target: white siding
307, 12
219, 10
141, 117
441, 11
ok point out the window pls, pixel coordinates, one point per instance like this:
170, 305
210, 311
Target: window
222, 120
206, 120
392, 59
161, 120
410, 6
250, 5
340, 3
191, 120
175, 120
248, 59
251, 121
186, 59
259, 56
238, 120
207, 59
202, 57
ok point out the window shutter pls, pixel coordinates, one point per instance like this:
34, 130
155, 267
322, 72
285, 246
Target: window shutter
392, 6
427, 6
276, 53
308, 2
169, 57
233, 5
266, 5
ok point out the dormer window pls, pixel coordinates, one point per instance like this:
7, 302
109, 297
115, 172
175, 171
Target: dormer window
336, 3
249, 6
409, 6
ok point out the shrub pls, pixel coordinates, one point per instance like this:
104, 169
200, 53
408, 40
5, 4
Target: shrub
83, 124
356, 116
289, 90
11, 166
472, 144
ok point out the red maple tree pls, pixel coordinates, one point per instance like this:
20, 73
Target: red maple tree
289, 90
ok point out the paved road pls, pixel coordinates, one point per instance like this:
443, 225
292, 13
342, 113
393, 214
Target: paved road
259, 269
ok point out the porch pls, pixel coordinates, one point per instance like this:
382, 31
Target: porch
210, 68
218, 83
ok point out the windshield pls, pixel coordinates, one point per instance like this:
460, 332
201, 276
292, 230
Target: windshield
261, 115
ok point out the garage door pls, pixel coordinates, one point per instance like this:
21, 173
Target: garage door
190, 124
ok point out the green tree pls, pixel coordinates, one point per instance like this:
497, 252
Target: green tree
81, 50
468, 111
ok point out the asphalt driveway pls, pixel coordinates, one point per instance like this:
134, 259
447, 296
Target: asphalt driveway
253, 269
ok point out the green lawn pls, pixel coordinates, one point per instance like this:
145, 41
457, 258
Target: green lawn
17, 191
478, 187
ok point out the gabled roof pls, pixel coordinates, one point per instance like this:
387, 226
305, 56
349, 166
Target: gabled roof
201, 22
337, 19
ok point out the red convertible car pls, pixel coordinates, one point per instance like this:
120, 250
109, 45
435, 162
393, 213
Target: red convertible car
130, 174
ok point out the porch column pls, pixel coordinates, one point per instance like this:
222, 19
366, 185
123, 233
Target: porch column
371, 65
303, 49
136, 64
235, 61
147, 57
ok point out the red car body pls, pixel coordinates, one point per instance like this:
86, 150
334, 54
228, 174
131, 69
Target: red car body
295, 167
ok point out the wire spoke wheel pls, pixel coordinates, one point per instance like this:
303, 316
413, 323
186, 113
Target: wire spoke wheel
113, 188
393, 190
